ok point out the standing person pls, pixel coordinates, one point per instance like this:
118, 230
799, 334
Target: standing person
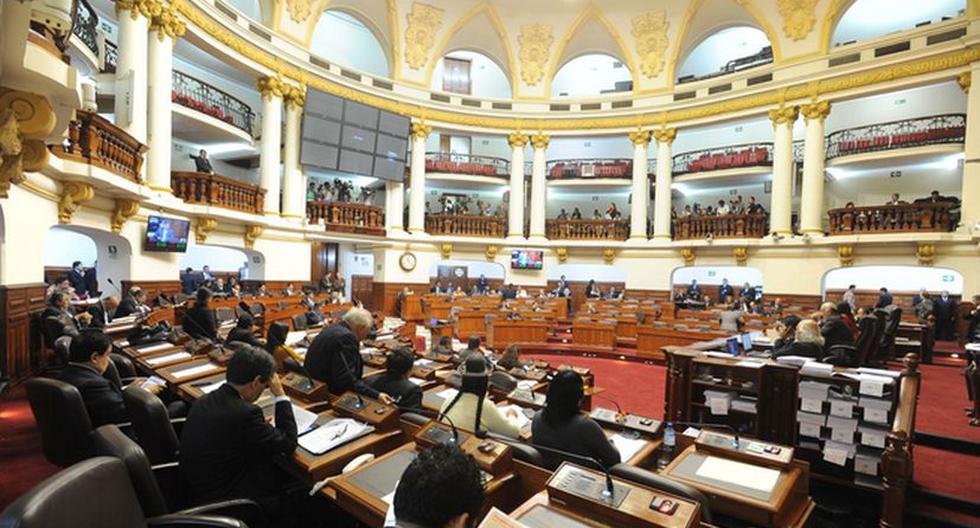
482, 284
395, 380
731, 319
243, 271
850, 297
334, 357
91, 279
202, 163
973, 320
945, 311
725, 291
923, 306
187, 282
592, 291
694, 291
206, 274
884, 298
76, 277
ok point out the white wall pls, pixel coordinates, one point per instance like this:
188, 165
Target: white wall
569, 198
588, 75
591, 148
63, 246
706, 196
736, 275
943, 98
867, 19
487, 79
474, 268
217, 258
714, 52
249, 8
342, 39
181, 161
249, 94
585, 272
898, 278
353, 263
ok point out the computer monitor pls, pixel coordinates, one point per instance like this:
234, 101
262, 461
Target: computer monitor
747, 342
732, 345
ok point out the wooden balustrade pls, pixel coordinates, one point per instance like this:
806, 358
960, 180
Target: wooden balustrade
587, 229
903, 218
217, 191
348, 217
92, 139
725, 226
465, 225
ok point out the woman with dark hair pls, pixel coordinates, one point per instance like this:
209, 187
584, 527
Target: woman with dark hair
562, 425
471, 410
786, 328
844, 310
199, 321
395, 381
275, 344
511, 358
592, 291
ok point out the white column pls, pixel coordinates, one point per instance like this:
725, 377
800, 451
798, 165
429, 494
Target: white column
970, 194
416, 204
811, 202
394, 206
515, 209
539, 186
664, 175
164, 28
781, 210
272, 89
131, 69
641, 185
293, 191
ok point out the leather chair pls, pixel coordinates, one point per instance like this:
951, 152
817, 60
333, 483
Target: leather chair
886, 349
66, 499
123, 365
858, 354
277, 333
66, 430
61, 348
299, 322
152, 425
150, 482
522, 451
652, 480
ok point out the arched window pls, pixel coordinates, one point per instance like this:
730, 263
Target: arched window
470, 73
249, 8
726, 51
590, 75
343, 39
867, 19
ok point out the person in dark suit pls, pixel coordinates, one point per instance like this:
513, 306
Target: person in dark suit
747, 294
58, 320
973, 320
945, 311
91, 279
199, 321
884, 298
103, 311
227, 448
482, 285
334, 357
563, 289
807, 342
833, 328
76, 277
694, 291
188, 282
132, 304
244, 332
591, 290
202, 163
724, 290
88, 361
786, 328
444, 347
395, 380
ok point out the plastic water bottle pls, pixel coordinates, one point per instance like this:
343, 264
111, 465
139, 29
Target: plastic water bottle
667, 448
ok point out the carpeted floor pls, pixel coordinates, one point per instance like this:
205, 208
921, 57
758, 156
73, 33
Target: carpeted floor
22, 462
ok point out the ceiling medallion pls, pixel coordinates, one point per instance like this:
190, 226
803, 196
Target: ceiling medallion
424, 22
535, 41
650, 31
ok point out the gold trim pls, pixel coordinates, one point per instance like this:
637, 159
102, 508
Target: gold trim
161, 189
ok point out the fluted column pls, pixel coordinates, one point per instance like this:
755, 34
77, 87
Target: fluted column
416, 190
665, 166
811, 200
132, 66
272, 90
164, 27
539, 186
515, 209
970, 194
293, 191
394, 206
641, 185
781, 210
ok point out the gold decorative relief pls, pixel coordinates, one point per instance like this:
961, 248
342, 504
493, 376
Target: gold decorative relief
784, 115
846, 255
491, 252
294, 96
272, 86
965, 79
650, 31
420, 130
424, 22
203, 228
816, 110
517, 140
926, 254
640, 138
124, 210
11, 152
535, 44
540, 141
799, 17
166, 22
562, 254
300, 10
446, 249
73, 194
741, 255
665, 135
146, 8
608, 255
688, 255
25, 120
252, 233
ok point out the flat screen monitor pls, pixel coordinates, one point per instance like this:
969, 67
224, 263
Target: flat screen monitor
166, 234
732, 344
747, 342
527, 259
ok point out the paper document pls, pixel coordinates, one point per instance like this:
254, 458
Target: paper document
200, 369
872, 385
304, 419
750, 363
526, 384
295, 337
447, 394
738, 473
423, 362
211, 387
796, 361
627, 447
167, 358
334, 433
417, 381
122, 343
522, 419
153, 348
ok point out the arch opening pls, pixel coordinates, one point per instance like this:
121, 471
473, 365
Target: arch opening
109, 254
591, 74
473, 73
343, 38
710, 278
868, 19
900, 280
465, 273
245, 264
726, 51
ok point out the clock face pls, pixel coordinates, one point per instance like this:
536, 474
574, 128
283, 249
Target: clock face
458, 272
407, 261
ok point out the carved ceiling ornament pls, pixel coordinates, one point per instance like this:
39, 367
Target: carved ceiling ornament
688, 255
424, 22
799, 17
166, 22
447, 250
73, 194
203, 228
926, 254
272, 86
300, 10
609, 255
965, 79
846, 256
252, 233
741, 255
562, 254
124, 210
26, 119
650, 31
491, 252
535, 42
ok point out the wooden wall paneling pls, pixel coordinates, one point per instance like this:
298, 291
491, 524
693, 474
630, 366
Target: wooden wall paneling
385, 295
323, 259
362, 288
20, 346
153, 288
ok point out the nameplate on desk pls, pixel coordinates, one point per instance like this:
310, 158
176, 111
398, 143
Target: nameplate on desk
366, 409
193, 371
146, 349
169, 358
734, 472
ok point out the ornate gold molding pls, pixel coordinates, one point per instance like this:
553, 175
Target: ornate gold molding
535, 44
925, 254
641, 138
665, 135
540, 141
73, 194
816, 110
166, 22
491, 252
252, 233
562, 254
203, 227
294, 96
301, 10
846, 255
965, 79
517, 140
446, 249
688, 255
650, 31
420, 130
272, 86
741, 255
123, 211
424, 22
784, 115
609, 255
25, 120
146, 8
799, 17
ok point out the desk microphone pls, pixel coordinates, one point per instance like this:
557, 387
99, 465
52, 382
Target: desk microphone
292, 365
110, 281
437, 417
217, 341
620, 415
702, 425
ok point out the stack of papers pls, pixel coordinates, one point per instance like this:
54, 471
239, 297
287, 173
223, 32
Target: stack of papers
447, 394
526, 384
168, 358
627, 447
332, 434
200, 369
523, 421
295, 337
304, 419
738, 473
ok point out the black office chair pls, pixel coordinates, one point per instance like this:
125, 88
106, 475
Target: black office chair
650, 479
153, 426
61, 348
855, 355
299, 322
96, 492
124, 366
66, 430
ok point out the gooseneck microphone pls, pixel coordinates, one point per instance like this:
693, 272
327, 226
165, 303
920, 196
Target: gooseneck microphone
437, 417
703, 425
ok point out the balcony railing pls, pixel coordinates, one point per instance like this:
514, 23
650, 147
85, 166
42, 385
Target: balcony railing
589, 168
110, 58
903, 218
348, 217
764, 56
587, 229
726, 226
94, 140
933, 130
85, 26
733, 157
201, 96
466, 164
217, 191
465, 225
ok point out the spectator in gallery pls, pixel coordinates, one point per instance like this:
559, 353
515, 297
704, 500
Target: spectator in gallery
596, 215
612, 213
895, 200
202, 163
723, 208
563, 215
576, 214
755, 207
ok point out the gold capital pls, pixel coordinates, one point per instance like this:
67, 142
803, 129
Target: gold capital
640, 138
146, 8
965, 79
203, 228
295, 96
271, 86
784, 115
517, 140
540, 141
166, 22
665, 135
73, 193
816, 110
420, 130
124, 210
252, 233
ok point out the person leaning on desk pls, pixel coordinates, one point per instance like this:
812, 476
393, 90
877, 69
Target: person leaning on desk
471, 410
244, 332
334, 357
395, 380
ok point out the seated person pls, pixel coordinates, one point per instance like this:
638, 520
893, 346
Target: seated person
58, 318
199, 321
441, 488
833, 329
275, 344
472, 349
395, 382
807, 342
334, 357
786, 331
88, 361
562, 425
471, 409
244, 332
511, 358
693, 291
103, 311
290, 290
227, 448
444, 347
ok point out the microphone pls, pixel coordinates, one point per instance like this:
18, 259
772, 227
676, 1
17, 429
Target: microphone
110, 281
437, 417
735, 443
620, 415
292, 365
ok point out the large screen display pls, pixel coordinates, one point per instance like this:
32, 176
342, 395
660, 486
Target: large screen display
345, 136
166, 234
522, 259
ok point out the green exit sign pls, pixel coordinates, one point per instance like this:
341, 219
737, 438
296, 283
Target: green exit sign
947, 278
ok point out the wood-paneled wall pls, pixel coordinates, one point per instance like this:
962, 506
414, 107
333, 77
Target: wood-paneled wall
153, 288
578, 290
20, 345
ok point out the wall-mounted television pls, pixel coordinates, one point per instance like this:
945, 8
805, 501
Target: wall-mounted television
166, 234
526, 259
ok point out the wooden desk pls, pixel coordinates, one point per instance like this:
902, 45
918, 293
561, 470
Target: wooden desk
411, 309
472, 323
313, 468
189, 371
594, 334
503, 332
650, 340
